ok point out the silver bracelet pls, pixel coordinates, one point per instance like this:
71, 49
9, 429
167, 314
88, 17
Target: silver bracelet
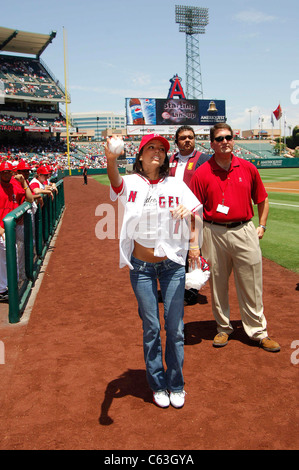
263, 226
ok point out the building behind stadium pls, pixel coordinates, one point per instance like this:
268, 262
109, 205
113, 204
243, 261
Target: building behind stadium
95, 124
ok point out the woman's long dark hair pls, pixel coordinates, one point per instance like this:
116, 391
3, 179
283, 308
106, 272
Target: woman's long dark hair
163, 170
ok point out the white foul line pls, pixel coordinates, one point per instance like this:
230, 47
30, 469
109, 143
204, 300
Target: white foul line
281, 204
282, 189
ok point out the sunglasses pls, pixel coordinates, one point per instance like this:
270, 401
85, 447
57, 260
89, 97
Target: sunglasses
221, 138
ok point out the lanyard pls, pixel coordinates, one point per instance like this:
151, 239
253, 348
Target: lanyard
223, 189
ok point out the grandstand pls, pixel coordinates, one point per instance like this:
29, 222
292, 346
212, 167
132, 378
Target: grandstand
259, 149
32, 125
248, 150
28, 78
31, 121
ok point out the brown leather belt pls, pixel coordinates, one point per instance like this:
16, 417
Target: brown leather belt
231, 225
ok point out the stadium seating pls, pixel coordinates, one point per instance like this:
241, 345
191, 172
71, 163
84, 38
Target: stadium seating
247, 150
27, 76
31, 121
257, 149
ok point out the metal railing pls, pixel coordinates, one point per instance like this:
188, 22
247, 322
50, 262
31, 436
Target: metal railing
35, 229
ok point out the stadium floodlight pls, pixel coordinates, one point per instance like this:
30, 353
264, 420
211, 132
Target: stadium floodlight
192, 21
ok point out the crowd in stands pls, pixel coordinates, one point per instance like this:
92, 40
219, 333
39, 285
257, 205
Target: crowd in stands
55, 154
248, 150
22, 76
89, 154
94, 153
31, 121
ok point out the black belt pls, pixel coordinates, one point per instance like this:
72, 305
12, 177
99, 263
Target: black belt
231, 225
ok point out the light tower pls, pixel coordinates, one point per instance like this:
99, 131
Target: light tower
192, 21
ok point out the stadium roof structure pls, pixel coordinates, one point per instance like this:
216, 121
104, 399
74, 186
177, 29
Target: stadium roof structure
22, 42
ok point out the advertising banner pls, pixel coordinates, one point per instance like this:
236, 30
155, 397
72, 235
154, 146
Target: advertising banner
154, 112
8, 127
164, 130
211, 112
2, 92
36, 129
62, 129
177, 111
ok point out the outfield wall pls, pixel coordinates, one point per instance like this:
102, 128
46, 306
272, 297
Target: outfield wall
278, 162
90, 172
275, 162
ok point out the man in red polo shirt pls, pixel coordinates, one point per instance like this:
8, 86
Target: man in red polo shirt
13, 192
182, 164
226, 186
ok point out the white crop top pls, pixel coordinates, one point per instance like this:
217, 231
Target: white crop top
138, 195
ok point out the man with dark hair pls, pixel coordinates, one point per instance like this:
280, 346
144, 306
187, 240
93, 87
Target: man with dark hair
226, 186
182, 165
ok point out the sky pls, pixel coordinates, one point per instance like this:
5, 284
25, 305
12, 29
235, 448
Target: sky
117, 49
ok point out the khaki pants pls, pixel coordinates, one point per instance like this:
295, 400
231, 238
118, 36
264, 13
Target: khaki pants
236, 249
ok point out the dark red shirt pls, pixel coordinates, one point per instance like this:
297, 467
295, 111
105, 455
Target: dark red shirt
12, 195
235, 189
197, 158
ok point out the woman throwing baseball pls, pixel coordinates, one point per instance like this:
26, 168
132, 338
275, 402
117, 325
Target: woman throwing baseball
161, 223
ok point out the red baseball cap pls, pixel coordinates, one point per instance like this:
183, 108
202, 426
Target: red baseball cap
42, 170
147, 138
6, 166
23, 165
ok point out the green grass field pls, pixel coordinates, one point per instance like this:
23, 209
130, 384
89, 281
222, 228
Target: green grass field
103, 179
279, 174
280, 242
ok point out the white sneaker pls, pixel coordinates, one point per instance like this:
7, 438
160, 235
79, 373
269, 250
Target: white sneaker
161, 398
177, 399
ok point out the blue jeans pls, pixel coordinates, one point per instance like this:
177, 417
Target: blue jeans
171, 277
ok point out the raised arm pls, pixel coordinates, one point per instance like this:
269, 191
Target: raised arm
28, 194
112, 169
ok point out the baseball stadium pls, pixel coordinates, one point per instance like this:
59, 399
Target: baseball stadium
72, 373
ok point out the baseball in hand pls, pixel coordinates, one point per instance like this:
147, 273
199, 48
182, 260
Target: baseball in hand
116, 145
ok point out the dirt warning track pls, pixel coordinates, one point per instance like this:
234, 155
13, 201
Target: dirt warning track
283, 186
